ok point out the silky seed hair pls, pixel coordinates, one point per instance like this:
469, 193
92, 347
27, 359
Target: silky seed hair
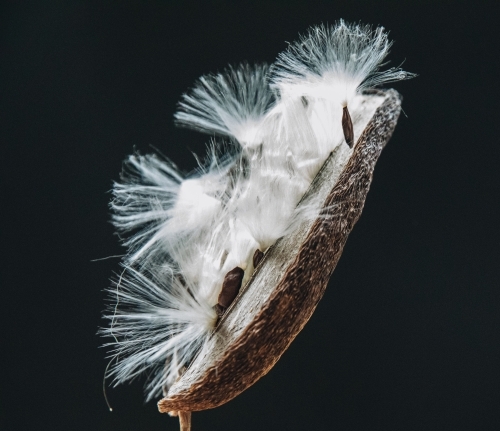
193, 240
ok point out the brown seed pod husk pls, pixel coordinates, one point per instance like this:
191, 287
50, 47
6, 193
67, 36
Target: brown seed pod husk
282, 294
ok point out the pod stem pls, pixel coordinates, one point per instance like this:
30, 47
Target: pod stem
185, 421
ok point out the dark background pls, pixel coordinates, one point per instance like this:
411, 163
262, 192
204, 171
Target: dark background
407, 335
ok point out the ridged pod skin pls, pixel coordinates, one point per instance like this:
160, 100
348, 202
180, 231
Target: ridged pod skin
239, 362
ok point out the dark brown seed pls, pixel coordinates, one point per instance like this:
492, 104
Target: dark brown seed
230, 286
257, 257
219, 309
347, 127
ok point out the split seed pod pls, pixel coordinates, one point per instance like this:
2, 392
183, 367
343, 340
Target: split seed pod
289, 282
227, 264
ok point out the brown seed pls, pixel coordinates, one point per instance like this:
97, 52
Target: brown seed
219, 309
230, 287
257, 257
347, 127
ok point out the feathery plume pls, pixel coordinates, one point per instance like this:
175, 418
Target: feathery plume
231, 104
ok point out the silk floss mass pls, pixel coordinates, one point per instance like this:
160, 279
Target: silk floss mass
225, 265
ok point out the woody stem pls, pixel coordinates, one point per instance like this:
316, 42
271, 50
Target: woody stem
185, 421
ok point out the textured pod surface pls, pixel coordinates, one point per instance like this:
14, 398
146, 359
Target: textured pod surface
283, 293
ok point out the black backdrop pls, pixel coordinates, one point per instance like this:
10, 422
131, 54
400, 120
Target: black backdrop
407, 335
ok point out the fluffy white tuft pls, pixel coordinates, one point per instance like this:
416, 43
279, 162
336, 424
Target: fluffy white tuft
232, 103
334, 62
160, 322
162, 207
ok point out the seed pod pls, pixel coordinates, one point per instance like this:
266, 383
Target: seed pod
282, 294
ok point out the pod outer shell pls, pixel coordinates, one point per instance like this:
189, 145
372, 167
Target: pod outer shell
299, 287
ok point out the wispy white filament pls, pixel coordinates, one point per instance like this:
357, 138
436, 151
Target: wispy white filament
160, 324
334, 62
231, 103
186, 232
